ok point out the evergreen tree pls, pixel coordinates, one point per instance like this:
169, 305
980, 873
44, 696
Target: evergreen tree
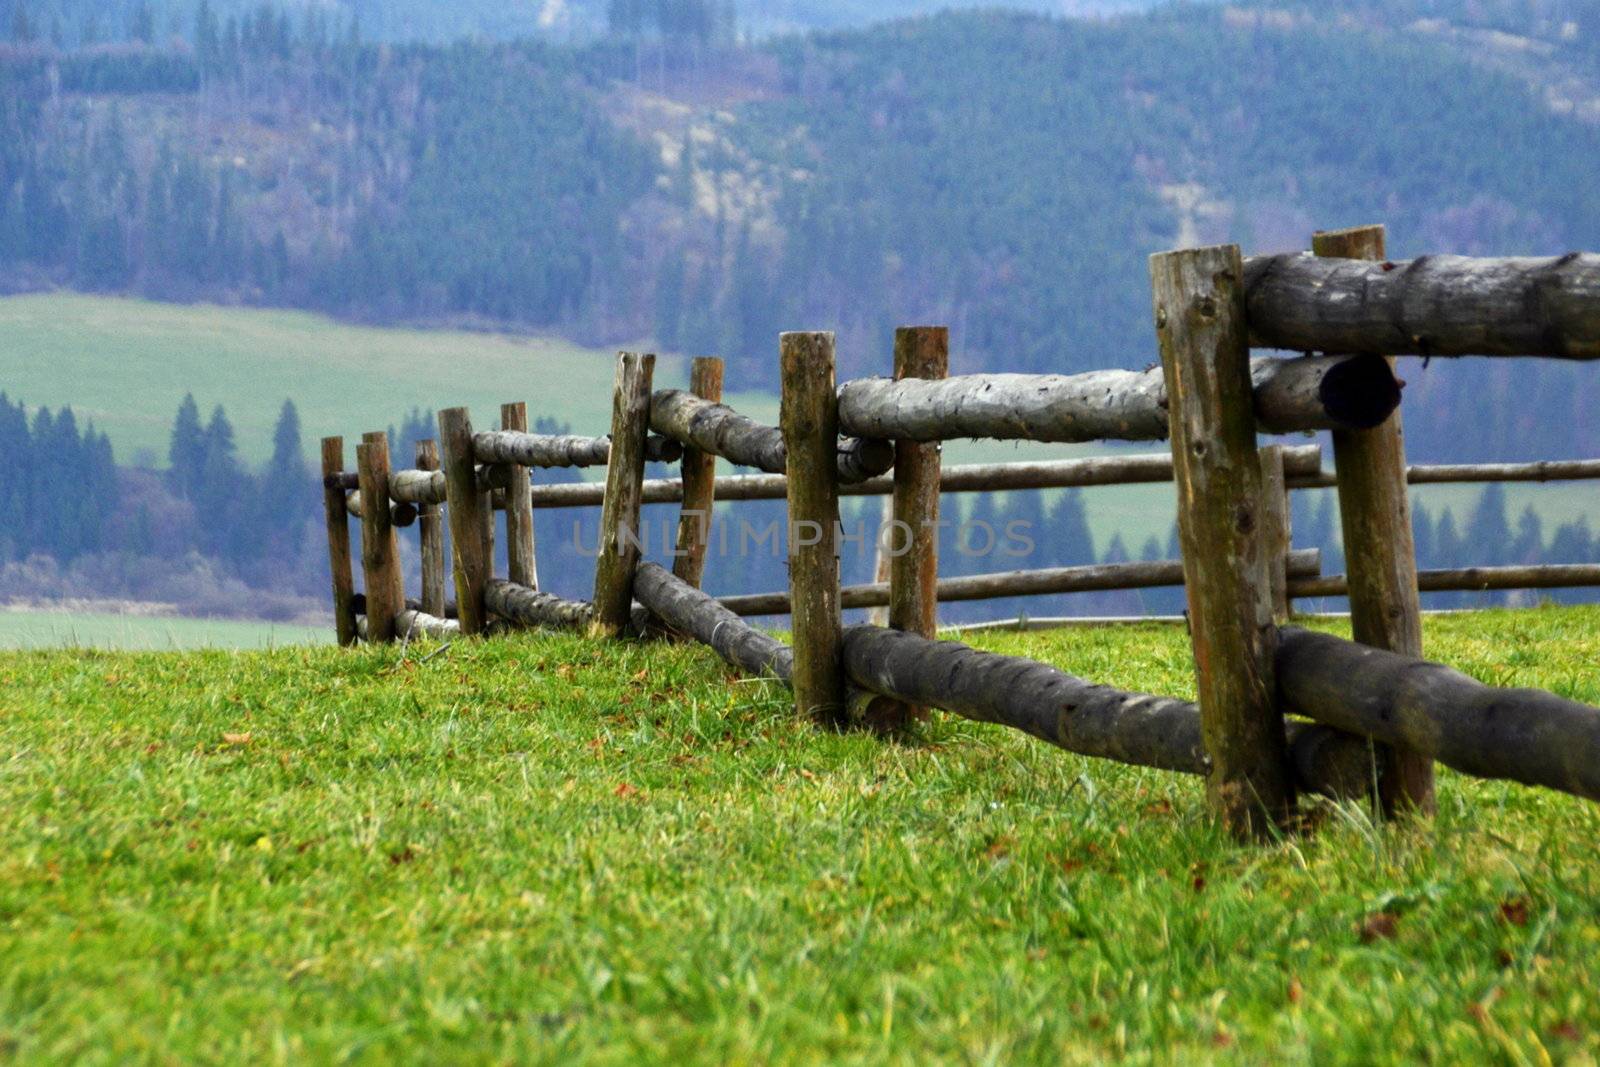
1529, 545
186, 454
22, 31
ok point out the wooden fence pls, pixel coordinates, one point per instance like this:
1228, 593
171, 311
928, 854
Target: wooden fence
1379, 714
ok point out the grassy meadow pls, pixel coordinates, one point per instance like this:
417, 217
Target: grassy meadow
542, 849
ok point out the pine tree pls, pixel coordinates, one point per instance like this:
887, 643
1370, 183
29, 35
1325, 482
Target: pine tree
219, 496
21, 26
186, 454
1529, 545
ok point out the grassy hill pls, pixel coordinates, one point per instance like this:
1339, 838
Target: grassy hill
544, 850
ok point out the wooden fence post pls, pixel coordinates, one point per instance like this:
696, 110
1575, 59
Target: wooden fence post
1205, 358
522, 564
809, 417
430, 530
464, 504
699, 482
1380, 553
620, 533
380, 548
344, 616
1277, 530
919, 352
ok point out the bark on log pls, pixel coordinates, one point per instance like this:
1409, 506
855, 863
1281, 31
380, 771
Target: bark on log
521, 563
400, 515
342, 480
529, 607
380, 549
465, 509
699, 469
430, 535
1525, 735
1432, 306
524, 449
809, 415
715, 428
1095, 577
1303, 463
1198, 298
411, 624
359, 602
1375, 513
338, 524
619, 519
1074, 714
1291, 395
1468, 579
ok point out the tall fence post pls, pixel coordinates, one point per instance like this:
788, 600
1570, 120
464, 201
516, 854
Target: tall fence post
380, 548
338, 517
809, 418
919, 352
430, 535
464, 504
699, 483
1276, 529
1198, 297
522, 564
1379, 549
620, 533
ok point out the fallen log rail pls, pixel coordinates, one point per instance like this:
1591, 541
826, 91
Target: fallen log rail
1291, 395
411, 624
1095, 577
527, 607
1431, 306
718, 430
1525, 735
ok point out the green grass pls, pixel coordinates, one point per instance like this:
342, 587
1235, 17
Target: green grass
545, 850
60, 629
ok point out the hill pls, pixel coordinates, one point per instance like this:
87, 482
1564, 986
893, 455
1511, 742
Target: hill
542, 850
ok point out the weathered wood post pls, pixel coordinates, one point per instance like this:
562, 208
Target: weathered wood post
344, 615
809, 418
1276, 530
1380, 553
620, 533
465, 505
919, 352
699, 478
1205, 358
522, 564
380, 548
430, 530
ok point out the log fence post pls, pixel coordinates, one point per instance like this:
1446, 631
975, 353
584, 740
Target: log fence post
809, 419
1380, 552
1199, 305
430, 535
1277, 530
522, 565
380, 547
465, 505
699, 471
338, 518
620, 532
919, 352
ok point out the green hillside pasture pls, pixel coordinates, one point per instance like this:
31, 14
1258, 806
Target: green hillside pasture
546, 850
130, 632
126, 364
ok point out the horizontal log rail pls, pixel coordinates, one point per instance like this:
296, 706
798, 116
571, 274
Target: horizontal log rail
1080, 716
411, 624
1430, 306
1291, 396
400, 514
1302, 461
1550, 470
718, 430
1468, 579
1098, 577
358, 603
1524, 735
523, 606
560, 450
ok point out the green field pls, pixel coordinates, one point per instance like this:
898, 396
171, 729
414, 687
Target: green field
60, 629
541, 849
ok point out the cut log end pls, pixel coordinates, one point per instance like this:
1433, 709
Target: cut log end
1360, 392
